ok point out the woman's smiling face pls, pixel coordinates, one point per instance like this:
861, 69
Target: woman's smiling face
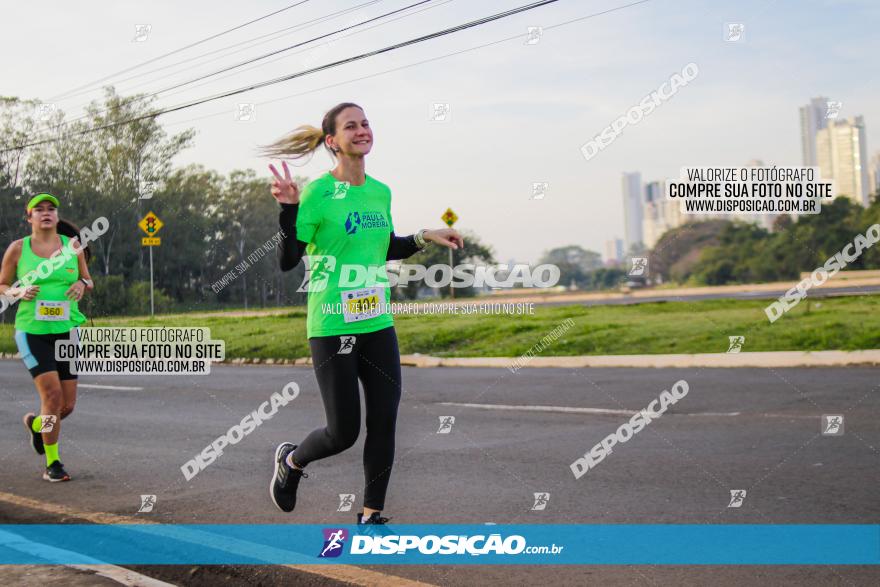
353, 133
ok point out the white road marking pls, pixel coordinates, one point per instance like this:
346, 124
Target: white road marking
571, 410
123, 576
119, 387
345, 573
50, 554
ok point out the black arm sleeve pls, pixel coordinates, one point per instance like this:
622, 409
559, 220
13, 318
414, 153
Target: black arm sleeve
401, 247
290, 250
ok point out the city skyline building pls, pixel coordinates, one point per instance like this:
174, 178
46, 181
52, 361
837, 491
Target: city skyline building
813, 117
632, 208
842, 153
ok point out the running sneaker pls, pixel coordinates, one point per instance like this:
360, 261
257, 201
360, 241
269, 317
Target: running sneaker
374, 518
55, 473
285, 480
35, 438
374, 525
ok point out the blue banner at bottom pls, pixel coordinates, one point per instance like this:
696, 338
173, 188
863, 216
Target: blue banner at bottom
515, 544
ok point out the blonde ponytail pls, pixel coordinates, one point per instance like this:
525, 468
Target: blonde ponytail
305, 139
300, 143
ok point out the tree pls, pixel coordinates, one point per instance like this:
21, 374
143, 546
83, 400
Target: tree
16, 127
606, 278
105, 169
248, 217
574, 263
747, 254
678, 250
191, 236
474, 252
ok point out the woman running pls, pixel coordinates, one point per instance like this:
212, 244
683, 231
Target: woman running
343, 218
50, 277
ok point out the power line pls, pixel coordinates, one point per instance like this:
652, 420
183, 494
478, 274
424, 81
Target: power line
438, 34
441, 3
444, 32
273, 53
417, 63
278, 34
420, 39
154, 94
190, 46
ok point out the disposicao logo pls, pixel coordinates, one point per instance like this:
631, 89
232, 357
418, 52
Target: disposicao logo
334, 542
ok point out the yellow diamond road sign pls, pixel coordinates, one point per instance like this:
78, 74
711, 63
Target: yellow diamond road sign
151, 224
449, 217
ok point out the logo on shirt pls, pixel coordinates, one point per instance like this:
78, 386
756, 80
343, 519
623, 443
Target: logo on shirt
368, 220
339, 191
352, 223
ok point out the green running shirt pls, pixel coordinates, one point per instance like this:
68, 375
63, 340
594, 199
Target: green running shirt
348, 229
50, 312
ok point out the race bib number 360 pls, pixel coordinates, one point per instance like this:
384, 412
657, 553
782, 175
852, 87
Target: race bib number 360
363, 304
53, 311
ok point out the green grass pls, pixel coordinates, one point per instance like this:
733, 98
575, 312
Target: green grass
840, 323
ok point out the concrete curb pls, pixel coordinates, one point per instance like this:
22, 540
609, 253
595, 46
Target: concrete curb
722, 360
774, 359
232, 361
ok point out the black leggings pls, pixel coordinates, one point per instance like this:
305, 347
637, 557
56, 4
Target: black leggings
339, 362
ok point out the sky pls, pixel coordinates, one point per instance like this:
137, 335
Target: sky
518, 112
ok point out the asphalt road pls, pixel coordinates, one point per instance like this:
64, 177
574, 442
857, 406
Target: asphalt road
753, 429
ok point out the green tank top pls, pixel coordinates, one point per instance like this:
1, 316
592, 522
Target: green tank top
50, 312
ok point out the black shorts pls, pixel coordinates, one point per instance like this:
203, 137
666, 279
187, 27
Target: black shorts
38, 353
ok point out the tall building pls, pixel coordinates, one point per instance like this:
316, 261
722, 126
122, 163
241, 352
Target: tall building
842, 153
765, 221
613, 251
632, 208
874, 173
660, 213
813, 119
654, 191
652, 224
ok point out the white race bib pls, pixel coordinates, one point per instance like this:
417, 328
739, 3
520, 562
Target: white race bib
52, 311
363, 304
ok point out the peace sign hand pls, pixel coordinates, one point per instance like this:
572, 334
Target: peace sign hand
284, 189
